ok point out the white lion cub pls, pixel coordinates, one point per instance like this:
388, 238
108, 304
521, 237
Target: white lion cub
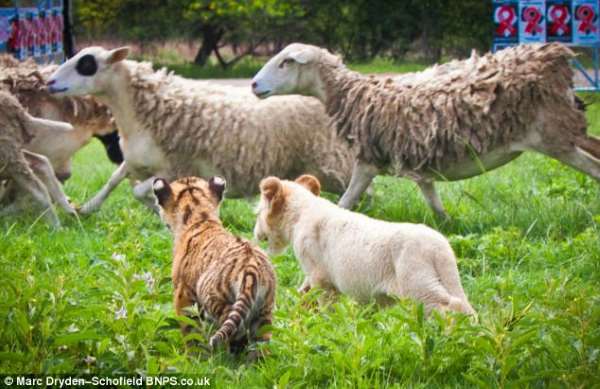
350, 253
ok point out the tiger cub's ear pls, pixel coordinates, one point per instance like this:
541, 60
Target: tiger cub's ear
162, 190
310, 182
217, 186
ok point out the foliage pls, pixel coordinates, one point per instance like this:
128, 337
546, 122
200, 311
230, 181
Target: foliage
359, 29
95, 297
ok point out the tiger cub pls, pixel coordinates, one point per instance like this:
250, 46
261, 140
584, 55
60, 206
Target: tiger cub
231, 281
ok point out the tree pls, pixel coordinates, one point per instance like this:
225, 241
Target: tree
216, 21
359, 29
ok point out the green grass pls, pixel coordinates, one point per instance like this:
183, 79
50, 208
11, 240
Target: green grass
245, 68
382, 65
527, 239
248, 67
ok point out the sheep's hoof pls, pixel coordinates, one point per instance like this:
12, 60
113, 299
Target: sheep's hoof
443, 218
86, 210
73, 210
55, 223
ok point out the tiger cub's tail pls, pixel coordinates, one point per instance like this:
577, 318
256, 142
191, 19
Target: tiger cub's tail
239, 310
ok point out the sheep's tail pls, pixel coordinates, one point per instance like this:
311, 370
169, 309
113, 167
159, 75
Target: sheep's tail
239, 310
457, 300
549, 55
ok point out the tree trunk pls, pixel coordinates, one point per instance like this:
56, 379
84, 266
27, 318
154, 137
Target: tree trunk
68, 39
210, 39
431, 35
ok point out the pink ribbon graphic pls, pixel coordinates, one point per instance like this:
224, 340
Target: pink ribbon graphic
506, 18
559, 15
533, 17
586, 15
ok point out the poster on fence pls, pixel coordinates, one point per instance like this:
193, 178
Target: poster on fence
56, 31
7, 22
559, 22
21, 35
42, 33
31, 18
506, 27
532, 26
585, 22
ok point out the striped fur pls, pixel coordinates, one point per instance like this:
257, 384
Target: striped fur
231, 281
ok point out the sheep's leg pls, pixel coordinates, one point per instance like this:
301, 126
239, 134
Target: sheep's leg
42, 168
29, 182
145, 194
96, 202
590, 145
362, 175
433, 199
576, 158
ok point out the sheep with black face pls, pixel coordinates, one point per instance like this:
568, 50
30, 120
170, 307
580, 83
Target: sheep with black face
172, 127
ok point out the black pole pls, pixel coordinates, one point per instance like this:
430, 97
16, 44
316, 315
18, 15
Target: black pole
68, 38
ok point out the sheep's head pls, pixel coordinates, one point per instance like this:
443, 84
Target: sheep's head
275, 212
292, 71
88, 73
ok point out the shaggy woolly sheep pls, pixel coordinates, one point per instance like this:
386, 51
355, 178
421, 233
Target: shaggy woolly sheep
449, 122
31, 172
27, 81
172, 127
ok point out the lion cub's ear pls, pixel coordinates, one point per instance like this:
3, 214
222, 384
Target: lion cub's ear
217, 186
310, 182
162, 191
271, 188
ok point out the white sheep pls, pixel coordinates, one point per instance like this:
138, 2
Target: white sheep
449, 122
172, 127
30, 172
27, 82
350, 253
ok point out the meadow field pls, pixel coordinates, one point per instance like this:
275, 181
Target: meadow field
95, 297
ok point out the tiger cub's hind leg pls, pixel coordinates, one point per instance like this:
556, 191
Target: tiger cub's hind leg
260, 332
182, 301
238, 345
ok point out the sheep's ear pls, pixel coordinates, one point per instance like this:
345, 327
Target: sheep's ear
117, 55
310, 182
162, 190
302, 56
217, 186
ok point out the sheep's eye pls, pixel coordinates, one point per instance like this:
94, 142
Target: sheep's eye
87, 66
285, 62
